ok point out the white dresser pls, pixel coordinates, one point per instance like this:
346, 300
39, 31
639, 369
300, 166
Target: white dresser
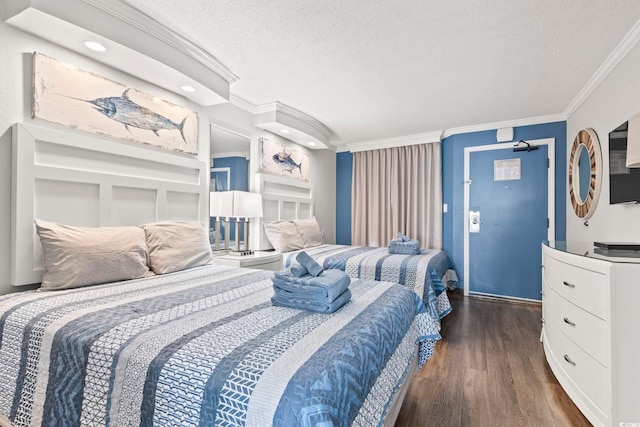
591, 330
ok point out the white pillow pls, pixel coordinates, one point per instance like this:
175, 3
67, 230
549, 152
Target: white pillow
81, 256
175, 246
284, 236
310, 231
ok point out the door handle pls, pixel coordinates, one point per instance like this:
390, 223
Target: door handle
570, 285
568, 322
474, 221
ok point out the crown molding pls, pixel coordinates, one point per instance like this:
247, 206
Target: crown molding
243, 104
305, 118
507, 123
301, 128
618, 54
400, 141
298, 115
143, 22
136, 43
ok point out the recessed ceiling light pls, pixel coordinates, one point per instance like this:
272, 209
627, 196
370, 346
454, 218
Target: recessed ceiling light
94, 46
311, 143
188, 88
284, 130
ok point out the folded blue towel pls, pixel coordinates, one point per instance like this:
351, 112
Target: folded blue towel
404, 251
299, 270
312, 267
403, 237
328, 285
409, 243
294, 300
411, 247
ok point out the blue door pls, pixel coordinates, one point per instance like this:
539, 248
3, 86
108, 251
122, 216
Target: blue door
509, 190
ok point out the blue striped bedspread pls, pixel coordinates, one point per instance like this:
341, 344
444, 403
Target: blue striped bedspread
203, 347
427, 274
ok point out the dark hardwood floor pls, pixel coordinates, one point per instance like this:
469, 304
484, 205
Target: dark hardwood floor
489, 369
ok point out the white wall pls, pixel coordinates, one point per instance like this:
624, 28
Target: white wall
230, 117
610, 105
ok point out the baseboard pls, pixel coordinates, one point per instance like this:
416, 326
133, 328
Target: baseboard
502, 298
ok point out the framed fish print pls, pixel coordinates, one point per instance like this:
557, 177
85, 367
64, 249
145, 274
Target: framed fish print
67, 95
278, 159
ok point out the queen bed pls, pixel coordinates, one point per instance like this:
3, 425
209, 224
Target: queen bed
203, 346
160, 336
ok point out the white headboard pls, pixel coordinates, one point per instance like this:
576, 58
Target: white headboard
84, 180
283, 198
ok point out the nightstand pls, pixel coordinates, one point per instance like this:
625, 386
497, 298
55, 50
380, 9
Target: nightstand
259, 260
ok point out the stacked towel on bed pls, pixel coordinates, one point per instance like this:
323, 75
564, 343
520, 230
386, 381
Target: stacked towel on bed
403, 245
323, 291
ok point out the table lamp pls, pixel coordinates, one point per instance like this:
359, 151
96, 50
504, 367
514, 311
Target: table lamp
245, 206
221, 206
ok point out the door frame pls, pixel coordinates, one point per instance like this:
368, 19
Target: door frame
551, 230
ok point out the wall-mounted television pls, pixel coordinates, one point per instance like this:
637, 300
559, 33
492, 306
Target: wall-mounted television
624, 183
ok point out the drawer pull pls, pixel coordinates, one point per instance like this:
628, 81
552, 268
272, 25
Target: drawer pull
568, 359
571, 285
569, 322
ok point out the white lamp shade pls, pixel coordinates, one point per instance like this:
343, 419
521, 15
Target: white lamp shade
247, 205
633, 142
221, 204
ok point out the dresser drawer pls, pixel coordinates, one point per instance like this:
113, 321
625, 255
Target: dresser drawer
584, 329
585, 288
589, 375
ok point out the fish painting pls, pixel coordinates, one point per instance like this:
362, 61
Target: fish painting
285, 161
279, 159
69, 96
123, 110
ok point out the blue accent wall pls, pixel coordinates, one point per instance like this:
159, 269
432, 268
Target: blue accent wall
453, 176
453, 188
344, 176
239, 171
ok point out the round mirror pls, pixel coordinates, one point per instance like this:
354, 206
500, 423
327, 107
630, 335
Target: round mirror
585, 171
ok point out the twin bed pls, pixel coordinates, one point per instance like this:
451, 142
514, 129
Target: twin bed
202, 345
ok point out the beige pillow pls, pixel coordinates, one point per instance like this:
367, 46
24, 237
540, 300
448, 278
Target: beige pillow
284, 236
310, 231
81, 256
175, 246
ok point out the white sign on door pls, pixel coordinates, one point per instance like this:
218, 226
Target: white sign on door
506, 170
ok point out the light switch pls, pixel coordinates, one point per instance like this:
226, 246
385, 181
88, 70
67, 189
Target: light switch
445, 208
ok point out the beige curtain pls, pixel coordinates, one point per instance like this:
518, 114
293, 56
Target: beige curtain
397, 189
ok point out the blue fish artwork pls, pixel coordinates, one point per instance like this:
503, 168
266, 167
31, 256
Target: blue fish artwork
285, 161
123, 110
69, 96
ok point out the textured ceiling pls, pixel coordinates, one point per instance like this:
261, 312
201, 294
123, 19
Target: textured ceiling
381, 68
